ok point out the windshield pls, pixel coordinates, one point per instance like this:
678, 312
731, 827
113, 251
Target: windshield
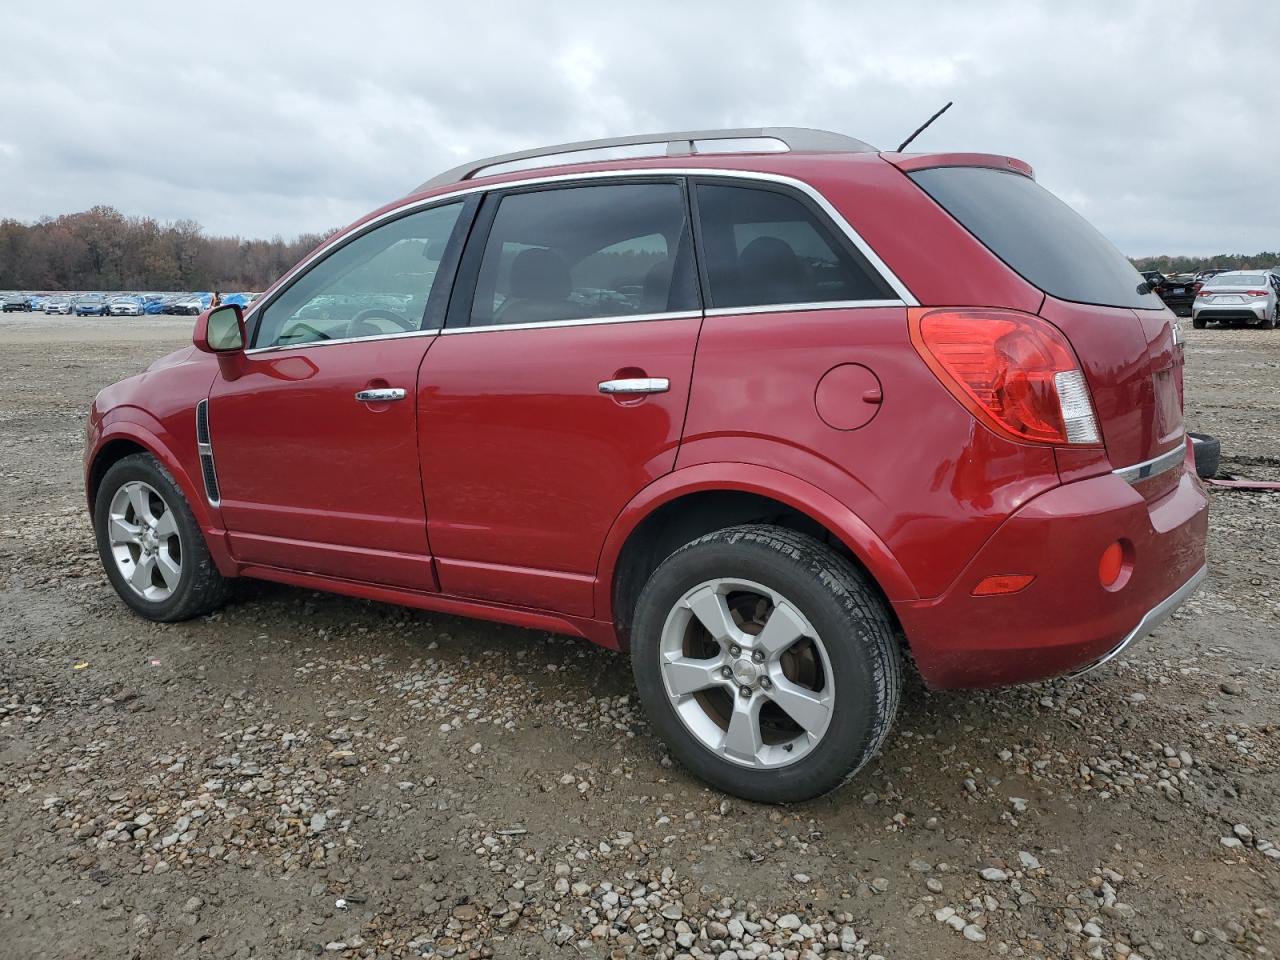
1038, 235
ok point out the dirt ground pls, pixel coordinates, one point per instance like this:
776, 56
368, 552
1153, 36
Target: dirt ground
304, 775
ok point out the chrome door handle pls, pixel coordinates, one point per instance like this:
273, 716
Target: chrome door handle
636, 385
380, 395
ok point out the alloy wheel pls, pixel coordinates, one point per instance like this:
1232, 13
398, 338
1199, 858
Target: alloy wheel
143, 534
746, 673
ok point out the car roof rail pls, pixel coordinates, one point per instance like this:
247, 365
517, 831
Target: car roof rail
681, 143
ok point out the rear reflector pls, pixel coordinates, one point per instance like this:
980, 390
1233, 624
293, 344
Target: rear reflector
1002, 583
1013, 371
1111, 564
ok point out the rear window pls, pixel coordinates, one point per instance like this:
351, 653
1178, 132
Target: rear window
1236, 280
1038, 235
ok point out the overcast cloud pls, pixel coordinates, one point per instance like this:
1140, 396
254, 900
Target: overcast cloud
1157, 121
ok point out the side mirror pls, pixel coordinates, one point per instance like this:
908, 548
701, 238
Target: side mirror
220, 330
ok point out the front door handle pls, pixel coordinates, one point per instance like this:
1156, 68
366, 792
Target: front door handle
636, 385
380, 395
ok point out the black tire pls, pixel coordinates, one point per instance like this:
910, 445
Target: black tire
1208, 453
201, 588
1198, 323
842, 606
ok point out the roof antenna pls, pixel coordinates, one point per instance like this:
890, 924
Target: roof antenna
924, 126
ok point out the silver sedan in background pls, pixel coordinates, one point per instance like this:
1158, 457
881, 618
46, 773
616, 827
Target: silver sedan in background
1249, 295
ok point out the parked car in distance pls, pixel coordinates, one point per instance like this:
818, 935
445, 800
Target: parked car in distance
1178, 291
189, 305
753, 463
16, 303
58, 305
1238, 295
91, 305
125, 307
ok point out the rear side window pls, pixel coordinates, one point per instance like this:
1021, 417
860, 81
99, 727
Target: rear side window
586, 252
763, 247
1038, 235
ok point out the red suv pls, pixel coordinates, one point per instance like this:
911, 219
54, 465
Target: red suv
761, 407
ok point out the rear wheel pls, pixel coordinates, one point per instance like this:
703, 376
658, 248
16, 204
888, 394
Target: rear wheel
767, 663
1198, 322
151, 546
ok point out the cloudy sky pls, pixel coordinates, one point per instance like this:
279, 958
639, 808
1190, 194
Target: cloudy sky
1158, 120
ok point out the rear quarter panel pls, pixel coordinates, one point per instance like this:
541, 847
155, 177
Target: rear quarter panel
931, 482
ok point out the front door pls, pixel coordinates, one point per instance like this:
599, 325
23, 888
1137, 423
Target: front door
315, 445
558, 390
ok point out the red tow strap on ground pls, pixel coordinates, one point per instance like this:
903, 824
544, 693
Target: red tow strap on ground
1263, 485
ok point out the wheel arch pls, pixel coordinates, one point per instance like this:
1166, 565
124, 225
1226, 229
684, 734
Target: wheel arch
697, 500
123, 436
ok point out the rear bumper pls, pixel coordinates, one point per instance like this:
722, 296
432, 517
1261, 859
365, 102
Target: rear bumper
1240, 311
1065, 621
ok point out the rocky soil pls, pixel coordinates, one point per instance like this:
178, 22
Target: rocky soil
304, 775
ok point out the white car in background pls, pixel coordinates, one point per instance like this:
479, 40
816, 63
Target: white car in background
1249, 295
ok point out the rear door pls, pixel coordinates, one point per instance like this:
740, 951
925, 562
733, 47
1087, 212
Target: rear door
558, 389
315, 444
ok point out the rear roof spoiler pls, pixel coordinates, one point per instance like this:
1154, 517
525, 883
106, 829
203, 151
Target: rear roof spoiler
909, 162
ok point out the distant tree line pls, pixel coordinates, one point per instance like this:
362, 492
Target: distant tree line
1222, 261
102, 249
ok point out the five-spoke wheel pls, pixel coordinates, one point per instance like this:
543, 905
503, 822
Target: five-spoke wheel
145, 541
151, 546
767, 662
747, 673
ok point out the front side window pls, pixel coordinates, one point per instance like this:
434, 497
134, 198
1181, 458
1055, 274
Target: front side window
586, 252
377, 284
764, 248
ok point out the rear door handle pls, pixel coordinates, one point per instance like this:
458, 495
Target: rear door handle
380, 395
636, 385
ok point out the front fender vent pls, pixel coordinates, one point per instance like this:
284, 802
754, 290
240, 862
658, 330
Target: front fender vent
205, 444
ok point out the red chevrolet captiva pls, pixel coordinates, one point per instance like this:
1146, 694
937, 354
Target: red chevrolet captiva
768, 409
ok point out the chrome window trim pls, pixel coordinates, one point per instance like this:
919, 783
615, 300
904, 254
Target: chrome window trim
808, 189
796, 307
575, 322
1137, 472
329, 343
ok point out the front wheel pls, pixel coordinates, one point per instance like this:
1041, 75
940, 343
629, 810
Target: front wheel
150, 544
767, 662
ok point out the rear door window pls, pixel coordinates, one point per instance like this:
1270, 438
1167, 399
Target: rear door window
765, 247
582, 253
1038, 235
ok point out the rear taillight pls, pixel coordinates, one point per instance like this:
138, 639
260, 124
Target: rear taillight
1255, 293
1013, 371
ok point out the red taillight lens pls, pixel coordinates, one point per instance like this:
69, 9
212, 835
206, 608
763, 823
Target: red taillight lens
1256, 293
1015, 372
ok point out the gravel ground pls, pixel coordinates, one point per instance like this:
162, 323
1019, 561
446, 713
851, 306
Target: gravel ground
305, 775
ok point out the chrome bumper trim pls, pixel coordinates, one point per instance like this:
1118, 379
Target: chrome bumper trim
1150, 620
1153, 467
